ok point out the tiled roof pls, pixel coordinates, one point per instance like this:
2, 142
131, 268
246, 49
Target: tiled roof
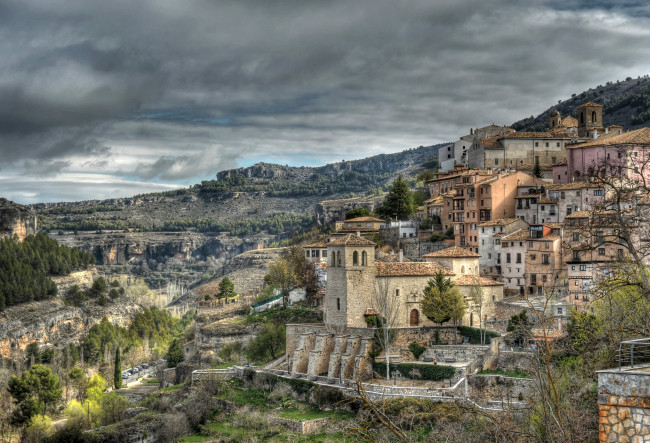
580, 214
472, 280
533, 135
391, 258
554, 225
412, 269
499, 222
521, 234
531, 166
589, 104
562, 163
547, 238
528, 195
365, 219
490, 142
638, 137
351, 240
454, 251
547, 200
569, 122
320, 244
574, 185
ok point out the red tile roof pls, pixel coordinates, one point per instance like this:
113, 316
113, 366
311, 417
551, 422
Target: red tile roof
472, 280
412, 269
351, 240
365, 219
534, 135
499, 222
638, 137
454, 251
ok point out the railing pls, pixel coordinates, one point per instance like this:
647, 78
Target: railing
633, 352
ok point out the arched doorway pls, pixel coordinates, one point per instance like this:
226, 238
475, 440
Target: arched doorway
414, 319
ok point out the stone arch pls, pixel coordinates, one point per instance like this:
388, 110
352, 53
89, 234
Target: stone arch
594, 117
355, 258
364, 258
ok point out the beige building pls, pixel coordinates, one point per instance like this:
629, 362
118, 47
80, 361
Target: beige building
490, 235
354, 279
359, 224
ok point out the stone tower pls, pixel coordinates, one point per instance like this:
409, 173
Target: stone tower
590, 119
554, 119
350, 281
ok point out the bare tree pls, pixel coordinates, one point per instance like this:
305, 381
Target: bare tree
386, 306
476, 297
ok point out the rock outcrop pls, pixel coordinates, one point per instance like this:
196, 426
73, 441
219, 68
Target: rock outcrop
15, 219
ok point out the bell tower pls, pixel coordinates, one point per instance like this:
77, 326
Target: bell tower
590, 119
554, 119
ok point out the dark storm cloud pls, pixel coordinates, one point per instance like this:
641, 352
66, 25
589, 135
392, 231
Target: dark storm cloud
180, 90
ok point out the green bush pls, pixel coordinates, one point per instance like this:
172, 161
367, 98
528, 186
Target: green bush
474, 334
300, 387
416, 349
416, 371
325, 396
515, 373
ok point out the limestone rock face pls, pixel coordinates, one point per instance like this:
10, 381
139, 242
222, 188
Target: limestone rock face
15, 219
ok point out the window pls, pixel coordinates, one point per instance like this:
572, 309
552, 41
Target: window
547, 245
324, 253
601, 251
562, 195
583, 267
559, 311
338, 304
573, 268
577, 193
364, 259
508, 257
489, 255
576, 255
355, 258
307, 253
536, 144
496, 161
600, 238
576, 283
599, 192
576, 236
557, 145
530, 244
546, 144
545, 260
396, 292
518, 257
533, 257
338, 259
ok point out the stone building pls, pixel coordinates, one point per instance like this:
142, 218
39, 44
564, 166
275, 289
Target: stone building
457, 153
316, 252
489, 236
354, 278
359, 224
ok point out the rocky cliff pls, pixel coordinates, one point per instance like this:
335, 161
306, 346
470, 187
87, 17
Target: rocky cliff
53, 324
15, 219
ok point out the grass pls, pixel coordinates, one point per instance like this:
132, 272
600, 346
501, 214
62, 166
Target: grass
293, 314
173, 388
222, 366
313, 414
517, 373
241, 395
153, 381
196, 437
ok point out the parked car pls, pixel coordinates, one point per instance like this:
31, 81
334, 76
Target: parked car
145, 365
124, 376
135, 370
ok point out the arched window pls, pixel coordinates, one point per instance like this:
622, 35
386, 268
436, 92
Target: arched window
355, 258
338, 259
462, 269
414, 318
594, 118
333, 259
364, 259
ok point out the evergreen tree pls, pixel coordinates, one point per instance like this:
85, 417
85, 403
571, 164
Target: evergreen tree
33, 392
117, 372
537, 170
226, 288
174, 354
442, 300
398, 204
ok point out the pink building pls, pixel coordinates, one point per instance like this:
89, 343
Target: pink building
622, 154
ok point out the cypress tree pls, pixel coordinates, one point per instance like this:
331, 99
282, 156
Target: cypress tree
537, 170
117, 373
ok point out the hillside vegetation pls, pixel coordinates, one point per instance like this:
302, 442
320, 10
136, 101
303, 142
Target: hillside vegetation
625, 103
25, 266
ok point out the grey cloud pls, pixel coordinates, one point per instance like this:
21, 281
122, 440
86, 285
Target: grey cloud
168, 85
40, 168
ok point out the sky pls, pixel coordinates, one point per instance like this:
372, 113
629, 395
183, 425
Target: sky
115, 98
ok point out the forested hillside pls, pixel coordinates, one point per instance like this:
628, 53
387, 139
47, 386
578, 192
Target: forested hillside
25, 266
625, 103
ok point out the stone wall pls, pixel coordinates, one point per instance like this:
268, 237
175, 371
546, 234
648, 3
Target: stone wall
624, 405
415, 248
503, 310
500, 388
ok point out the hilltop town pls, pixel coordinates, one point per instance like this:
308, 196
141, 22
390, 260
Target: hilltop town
510, 263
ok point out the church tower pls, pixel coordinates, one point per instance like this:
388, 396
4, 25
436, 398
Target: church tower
590, 119
554, 119
350, 281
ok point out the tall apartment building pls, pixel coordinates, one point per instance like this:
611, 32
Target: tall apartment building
489, 237
477, 196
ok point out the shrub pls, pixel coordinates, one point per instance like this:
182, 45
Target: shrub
416, 371
474, 334
300, 387
416, 349
325, 396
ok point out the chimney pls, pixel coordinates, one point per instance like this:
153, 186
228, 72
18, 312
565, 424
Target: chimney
401, 255
595, 134
606, 130
359, 233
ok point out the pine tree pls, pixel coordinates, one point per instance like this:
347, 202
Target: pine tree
537, 170
398, 204
174, 354
226, 288
117, 372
